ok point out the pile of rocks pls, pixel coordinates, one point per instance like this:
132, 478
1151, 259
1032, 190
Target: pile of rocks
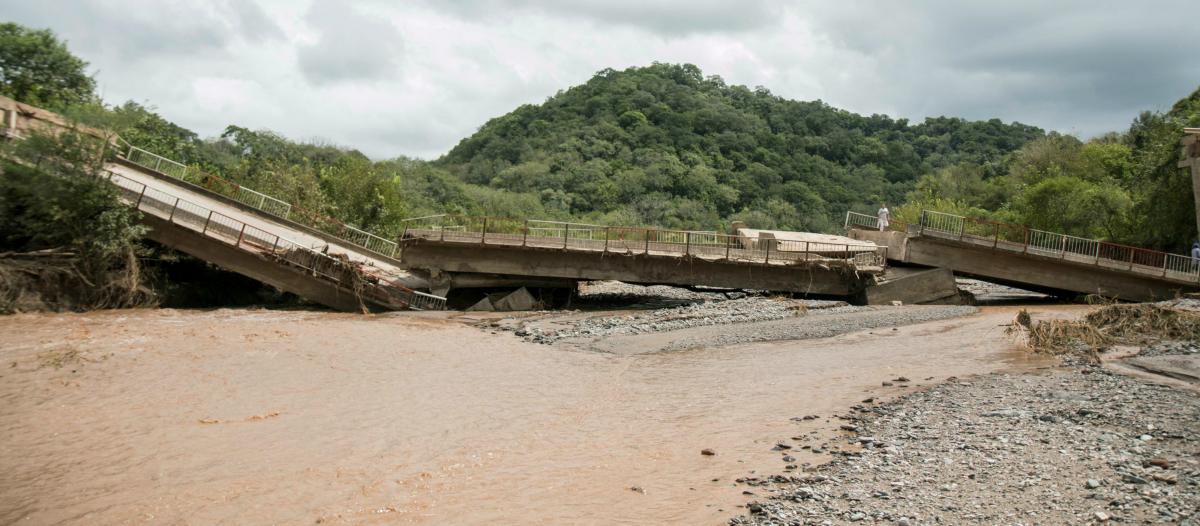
744, 310
1183, 348
1076, 446
827, 322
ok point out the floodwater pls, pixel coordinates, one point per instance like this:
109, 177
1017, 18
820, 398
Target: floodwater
252, 417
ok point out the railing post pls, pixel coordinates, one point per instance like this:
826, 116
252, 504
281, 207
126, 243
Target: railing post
647, 251
996, 237
962, 227
241, 235
525, 233
767, 257
922, 230
807, 250
206, 220
443, 230
174, 207
1063, 250
605, 239
275, 245
483, 235
1025, 250
566, 232
157, 163
727, 244
687, 243
1132, 251
138, 204
1166, 260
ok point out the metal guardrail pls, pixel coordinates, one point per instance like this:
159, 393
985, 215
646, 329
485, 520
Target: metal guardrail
261, 201
855, 219
630, 240
215, 225
1017, 238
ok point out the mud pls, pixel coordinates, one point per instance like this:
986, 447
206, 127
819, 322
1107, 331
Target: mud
245, 416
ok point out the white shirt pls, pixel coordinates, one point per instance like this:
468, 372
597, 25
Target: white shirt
884, 215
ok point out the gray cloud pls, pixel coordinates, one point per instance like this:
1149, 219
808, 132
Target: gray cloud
350, 45
140, 30
666, 17
1084, 67
414, 78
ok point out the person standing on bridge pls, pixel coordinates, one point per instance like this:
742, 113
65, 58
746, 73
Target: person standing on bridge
884, 217
1195, 255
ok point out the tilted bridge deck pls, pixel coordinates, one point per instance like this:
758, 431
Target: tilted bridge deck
341, 281
1031, 258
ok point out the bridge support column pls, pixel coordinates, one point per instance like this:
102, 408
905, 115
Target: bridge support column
1191, 159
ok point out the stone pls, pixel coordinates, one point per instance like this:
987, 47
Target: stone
1133, 479
517, 300
1092, 484
484, 305
707, 452
1160, 462
1101, 516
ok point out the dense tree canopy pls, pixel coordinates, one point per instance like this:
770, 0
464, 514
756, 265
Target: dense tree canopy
666, 145
36, 68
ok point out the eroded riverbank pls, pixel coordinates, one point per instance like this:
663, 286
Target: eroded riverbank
296, 417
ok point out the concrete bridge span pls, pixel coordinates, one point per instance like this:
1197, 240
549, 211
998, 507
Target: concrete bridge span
574, 251
1031, 259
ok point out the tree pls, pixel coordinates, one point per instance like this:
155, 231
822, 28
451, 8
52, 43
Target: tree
38, 69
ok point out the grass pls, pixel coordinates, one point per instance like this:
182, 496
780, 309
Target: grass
1113, 324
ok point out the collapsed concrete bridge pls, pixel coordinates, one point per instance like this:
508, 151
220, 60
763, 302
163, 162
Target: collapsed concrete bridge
347, 268
1031, 259
555, 250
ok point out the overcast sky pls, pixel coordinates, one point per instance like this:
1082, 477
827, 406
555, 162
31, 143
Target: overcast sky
414, 77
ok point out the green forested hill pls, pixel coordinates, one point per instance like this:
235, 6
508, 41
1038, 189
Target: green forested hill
666, 145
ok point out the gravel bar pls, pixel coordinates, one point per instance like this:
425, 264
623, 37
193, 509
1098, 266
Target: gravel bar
1077, 445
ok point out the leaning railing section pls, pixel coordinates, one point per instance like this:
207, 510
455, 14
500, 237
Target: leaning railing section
870, 222
261, 201
220, 227
1017, 238
635, 240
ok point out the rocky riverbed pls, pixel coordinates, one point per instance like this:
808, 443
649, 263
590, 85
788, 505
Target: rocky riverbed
1075, 445
742, 317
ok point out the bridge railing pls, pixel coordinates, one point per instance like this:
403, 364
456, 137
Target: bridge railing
633, 240
1017, 238
264, 202
231, 231
870, 222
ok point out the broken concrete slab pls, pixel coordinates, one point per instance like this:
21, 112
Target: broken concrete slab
517, 300
483, 305
914, 286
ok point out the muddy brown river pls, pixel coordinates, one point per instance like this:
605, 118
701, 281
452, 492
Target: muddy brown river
255, 417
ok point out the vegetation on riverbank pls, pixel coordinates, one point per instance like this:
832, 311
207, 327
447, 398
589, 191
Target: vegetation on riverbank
661, 145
